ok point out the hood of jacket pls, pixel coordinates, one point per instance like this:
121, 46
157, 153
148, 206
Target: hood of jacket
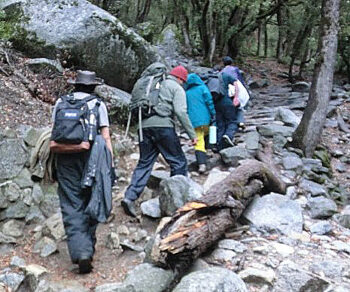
193, 80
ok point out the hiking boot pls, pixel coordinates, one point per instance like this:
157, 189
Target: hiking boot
129, 207
202, 168
85, 266
228, 141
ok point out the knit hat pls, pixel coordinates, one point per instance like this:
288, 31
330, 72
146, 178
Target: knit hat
180, 72
227, 60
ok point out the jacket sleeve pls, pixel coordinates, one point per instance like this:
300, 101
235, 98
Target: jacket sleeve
209, 102
180, 109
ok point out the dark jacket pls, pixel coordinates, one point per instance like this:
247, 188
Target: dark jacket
98, 177
227, 79
200, 104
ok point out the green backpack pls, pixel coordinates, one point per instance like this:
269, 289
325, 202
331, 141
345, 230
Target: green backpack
145, 100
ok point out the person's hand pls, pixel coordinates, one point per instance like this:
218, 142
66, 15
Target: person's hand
194, 141
236, 102
113, 176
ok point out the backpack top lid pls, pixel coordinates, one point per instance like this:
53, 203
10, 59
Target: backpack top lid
155, 69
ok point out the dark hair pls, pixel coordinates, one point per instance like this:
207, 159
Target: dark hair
227, 60
85, 88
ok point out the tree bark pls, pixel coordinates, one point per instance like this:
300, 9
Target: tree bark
266, 39
199, 224
308, 133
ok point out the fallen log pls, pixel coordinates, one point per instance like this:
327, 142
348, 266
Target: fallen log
199, 224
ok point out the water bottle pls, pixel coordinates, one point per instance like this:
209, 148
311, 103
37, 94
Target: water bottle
212, 135
92, 126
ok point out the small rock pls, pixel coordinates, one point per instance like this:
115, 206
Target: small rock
151, 208
257, 276
321, 228
113, 241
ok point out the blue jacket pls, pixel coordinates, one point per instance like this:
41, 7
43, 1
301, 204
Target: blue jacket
200, 104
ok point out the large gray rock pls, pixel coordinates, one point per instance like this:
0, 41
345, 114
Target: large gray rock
275, 212
13, 157
95, 39
146, 277
118, 99
291, 278
13, 228
151, 208
233, 155
11, 280
17, 210
50, 203
176, 191
271, 130
321, 207
312, 188
23, 179
60, 286
288, 117
53, 227
211, 280
301, 86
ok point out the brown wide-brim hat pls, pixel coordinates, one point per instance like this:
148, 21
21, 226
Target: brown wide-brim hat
86, 78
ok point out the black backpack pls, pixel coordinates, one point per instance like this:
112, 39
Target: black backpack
74, 121
215, 84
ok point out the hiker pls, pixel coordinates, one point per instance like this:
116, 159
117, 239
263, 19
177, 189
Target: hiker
235, 73
159, 136
80, 173
202, 113
226, 114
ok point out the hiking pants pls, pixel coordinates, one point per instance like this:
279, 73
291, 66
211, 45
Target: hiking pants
226, 115
79, 227
156, 140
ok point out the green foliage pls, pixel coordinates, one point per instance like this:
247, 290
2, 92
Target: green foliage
7, 27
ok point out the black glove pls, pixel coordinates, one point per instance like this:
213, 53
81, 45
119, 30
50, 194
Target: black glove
113, 176
213, 121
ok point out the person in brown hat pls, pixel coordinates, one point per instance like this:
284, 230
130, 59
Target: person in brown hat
79, 226
159, 136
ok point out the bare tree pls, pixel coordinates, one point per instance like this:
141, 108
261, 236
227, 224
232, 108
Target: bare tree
308, 133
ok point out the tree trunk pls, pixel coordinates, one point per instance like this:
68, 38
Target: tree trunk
259, 41
304, 60
281, 31
199, 224
142, 13
308, 133
266, 39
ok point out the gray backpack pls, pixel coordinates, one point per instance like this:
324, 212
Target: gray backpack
145, 100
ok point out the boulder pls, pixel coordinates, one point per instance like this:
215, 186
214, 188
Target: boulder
321, 207
288, 117
211, 280
275, 212
93, 38
146, 277
274, 129
176, 191
233, 155
13, 157
16, 210
301, 86
291, 278
118, 99
151, 208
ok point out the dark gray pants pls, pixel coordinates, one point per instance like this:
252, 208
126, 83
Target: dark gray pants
156, 140
80, 228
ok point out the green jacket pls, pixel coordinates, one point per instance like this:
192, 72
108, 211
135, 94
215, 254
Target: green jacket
173, 96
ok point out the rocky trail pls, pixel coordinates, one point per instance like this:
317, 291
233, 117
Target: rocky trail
298, 241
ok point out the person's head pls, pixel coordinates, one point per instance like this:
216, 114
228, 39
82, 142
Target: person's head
180, 73
85, 81
227, 60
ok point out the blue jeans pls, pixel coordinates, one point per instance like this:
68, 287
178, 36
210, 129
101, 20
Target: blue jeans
226, 115
156, 140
